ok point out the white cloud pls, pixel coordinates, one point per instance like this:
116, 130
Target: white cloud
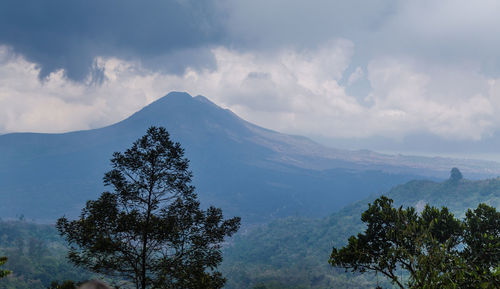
58, 104
355, 76
449, 102
294, 91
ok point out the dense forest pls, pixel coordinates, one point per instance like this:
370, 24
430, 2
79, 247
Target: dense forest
36, 256
287, 253
294, 251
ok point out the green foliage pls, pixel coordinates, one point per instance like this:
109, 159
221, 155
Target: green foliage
482, 239
289, 253
434, 248
3, 273
37, 256
292, 251
150, 229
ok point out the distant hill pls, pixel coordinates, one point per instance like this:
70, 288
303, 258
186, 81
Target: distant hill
294, 252
247, 170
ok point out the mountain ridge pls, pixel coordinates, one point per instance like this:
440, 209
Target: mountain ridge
247, 170
362, 158
475, 168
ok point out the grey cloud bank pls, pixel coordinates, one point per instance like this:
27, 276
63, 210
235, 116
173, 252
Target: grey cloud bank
347, 72
70, 34
58, 34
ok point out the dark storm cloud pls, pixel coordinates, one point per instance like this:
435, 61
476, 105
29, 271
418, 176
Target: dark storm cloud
173, 34
268, 23
69, 34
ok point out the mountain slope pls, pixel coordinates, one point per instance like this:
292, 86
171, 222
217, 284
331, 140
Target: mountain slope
294, 251
245, 169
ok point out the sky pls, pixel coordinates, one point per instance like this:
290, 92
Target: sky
416, 75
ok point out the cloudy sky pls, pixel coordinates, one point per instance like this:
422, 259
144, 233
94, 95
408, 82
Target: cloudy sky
419, 75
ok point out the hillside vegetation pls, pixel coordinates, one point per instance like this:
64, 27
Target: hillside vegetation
36, 256
287, 253
293, 252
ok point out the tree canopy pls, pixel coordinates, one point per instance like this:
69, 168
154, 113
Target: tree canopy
433, 248
150, 229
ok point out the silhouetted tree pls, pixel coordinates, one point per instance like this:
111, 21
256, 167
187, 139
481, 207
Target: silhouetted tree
150, 229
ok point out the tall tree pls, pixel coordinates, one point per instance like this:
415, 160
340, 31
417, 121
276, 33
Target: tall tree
150, 229
434, 248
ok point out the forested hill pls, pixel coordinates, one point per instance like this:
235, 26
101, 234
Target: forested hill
287, 253
293, 252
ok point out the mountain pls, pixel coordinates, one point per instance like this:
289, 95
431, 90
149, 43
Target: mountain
247, 170
293, 252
